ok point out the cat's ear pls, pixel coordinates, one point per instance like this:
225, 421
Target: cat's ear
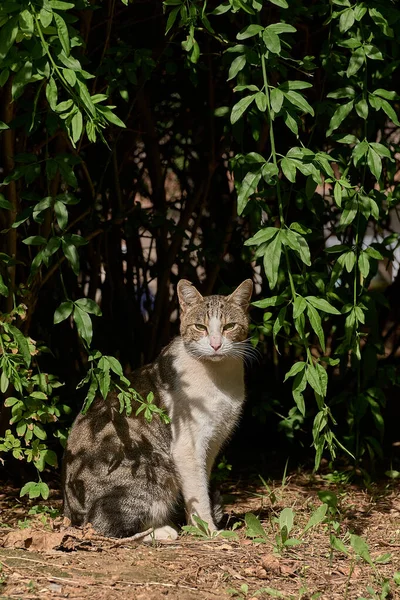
242, 294
187, 294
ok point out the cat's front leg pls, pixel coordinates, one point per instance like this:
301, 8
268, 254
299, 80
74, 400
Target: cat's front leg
194, 484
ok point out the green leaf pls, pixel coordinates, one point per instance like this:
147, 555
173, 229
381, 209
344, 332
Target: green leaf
34, 240
272, 259
317, 517
285, 28
289, 169
360, 547
104, 380
350, 261
359, 12
83, 324
89, 306
61, 214
363, 264
8, 34
298, 367
272, 41
51, 93
313, 379
337, 544
71, 255
43, 490
388, 95
61, 5
346, 20
46, 16
298, 386
87, 100
22, 343
249, 32
299, 101
303, 250
380, 149
3, 288
359, 151
4, 75
236, 66
90, 395
349, 213
389, 110
4, 383
346, 92
362, 108
110, 116
239, 109
264, 235
247, 188
280, 3
115, 365
339, 115
276, 99
374, 163
279, 322
291, 123
261, 101
269, 171
374, 253
323, 378
172, 18
286, 519
299, 306
322, 304
315, 321
26, 22
337, 193
63, 311
253, 526
356, 61
76, 125
63, 35
299, 228
271, 301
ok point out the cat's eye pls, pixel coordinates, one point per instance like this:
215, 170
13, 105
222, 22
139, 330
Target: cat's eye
229, 326
200, 327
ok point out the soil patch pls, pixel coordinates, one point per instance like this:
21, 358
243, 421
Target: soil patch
41, 557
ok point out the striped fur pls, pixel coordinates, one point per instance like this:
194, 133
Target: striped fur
125, 475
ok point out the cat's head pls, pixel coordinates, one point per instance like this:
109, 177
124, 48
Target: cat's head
214, 327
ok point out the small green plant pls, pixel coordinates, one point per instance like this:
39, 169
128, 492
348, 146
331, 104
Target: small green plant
201, 529
256, 531
40, 509
222, 471
361, 550
25, 524
242, 592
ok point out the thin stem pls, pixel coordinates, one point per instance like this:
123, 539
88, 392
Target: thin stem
275, 162
64, 83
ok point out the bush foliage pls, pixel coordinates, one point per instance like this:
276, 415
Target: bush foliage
144, 142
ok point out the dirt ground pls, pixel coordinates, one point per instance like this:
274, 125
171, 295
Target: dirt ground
42, 558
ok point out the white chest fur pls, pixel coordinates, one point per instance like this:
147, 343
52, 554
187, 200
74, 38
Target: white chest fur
204, 403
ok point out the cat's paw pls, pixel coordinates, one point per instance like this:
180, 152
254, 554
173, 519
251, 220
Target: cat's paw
161, 533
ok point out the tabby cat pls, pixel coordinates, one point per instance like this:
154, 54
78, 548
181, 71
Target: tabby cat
125, 475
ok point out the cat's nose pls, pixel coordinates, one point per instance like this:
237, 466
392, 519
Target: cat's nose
215, 343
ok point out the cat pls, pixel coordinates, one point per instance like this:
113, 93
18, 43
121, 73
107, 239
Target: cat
125, 475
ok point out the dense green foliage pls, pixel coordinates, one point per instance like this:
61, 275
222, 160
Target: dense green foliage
296, 105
